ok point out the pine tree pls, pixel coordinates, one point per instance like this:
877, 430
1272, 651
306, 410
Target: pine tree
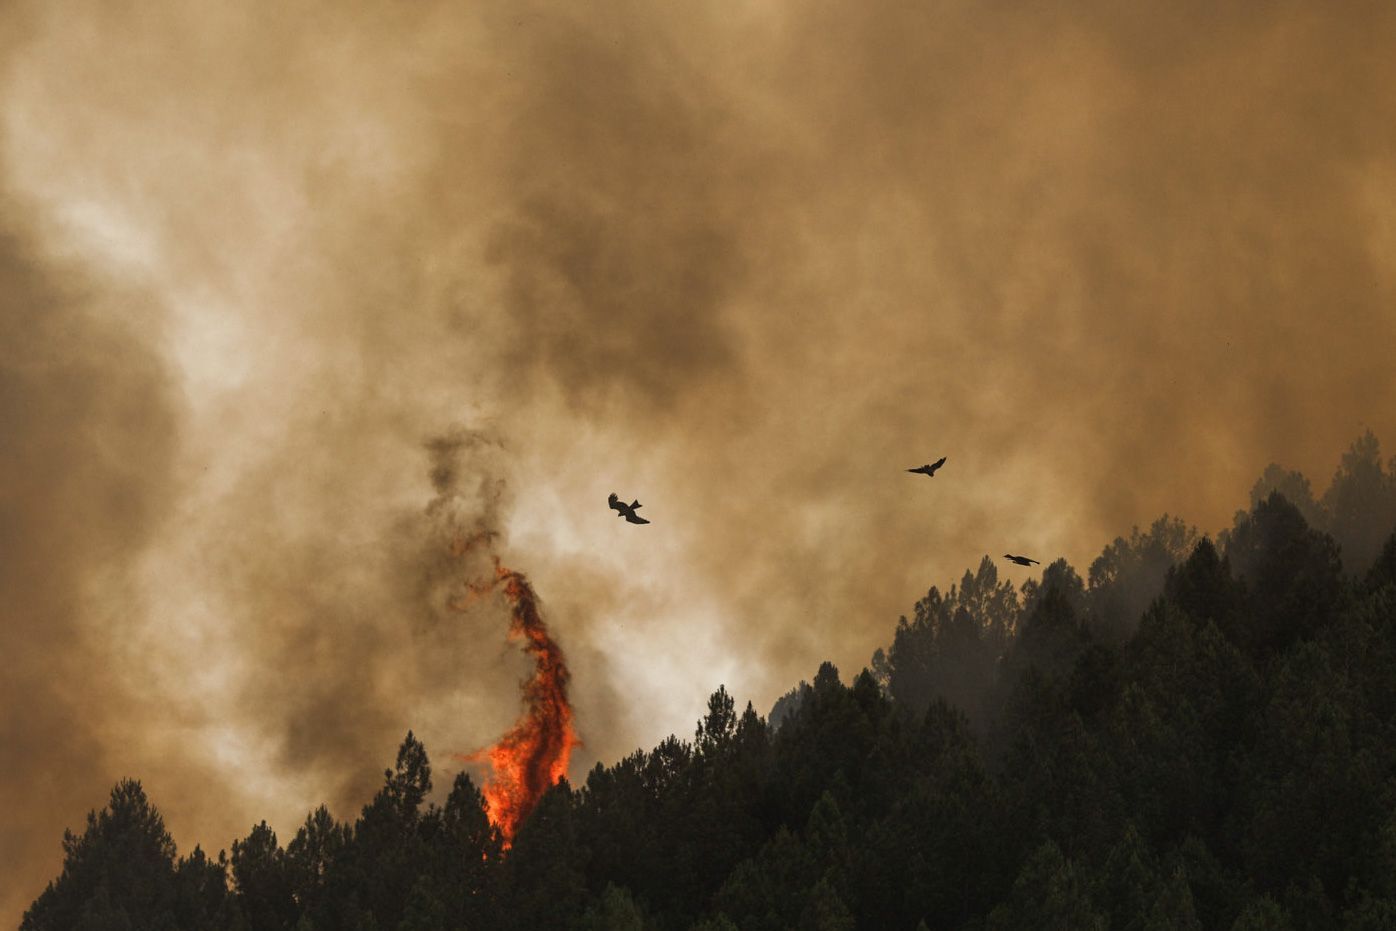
264, 880
1048, 894
120, 873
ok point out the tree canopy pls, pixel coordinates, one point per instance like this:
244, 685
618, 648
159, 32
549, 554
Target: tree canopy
1197, 735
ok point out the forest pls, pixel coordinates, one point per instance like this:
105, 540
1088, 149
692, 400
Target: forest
1198, 733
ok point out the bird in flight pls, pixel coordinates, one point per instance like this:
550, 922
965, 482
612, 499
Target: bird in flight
1021, 560
626, 510
930, 468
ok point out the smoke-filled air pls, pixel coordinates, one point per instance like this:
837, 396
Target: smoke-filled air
513, 375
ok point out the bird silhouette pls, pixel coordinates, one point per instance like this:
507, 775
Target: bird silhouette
930, 467
626, 510
1021, 560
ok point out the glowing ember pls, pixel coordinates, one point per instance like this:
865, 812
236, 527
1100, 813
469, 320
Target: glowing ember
533, 756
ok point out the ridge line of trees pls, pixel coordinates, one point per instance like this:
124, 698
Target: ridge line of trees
1198, 734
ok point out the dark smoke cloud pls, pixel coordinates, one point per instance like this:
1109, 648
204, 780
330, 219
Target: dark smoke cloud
347, 646
620, 251
85, 481
743, 264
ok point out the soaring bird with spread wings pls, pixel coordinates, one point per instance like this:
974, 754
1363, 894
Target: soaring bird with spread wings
1021, 560
930, 467
626, 510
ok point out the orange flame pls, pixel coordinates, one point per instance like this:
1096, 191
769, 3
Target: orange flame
533, 755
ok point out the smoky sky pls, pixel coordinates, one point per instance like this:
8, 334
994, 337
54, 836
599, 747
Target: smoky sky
85, 480
279, 279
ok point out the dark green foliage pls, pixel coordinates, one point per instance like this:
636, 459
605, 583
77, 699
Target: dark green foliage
1194, 740
1189, 696
423, 911
1263, 914
796, 881
1360, 504
310, 858
942, 848
616, 911
1058, 777
1292, 575
1383, 571
1173, 908
1294, 488
404, 864
789, 703
202, 899
1050, 894
464, 856
391, 838
1204, 588
121, 873
264, 880
765, 891
1054, 631
1130, 574
1140, 894
1370, 914
1359, 508
1317, 778
1217, 891
1095, 681
545, 882
949, 648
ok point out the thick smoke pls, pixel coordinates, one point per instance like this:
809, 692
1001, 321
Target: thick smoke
743, 264
86, 448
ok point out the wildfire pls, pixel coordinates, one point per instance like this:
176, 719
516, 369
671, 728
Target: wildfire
533, 755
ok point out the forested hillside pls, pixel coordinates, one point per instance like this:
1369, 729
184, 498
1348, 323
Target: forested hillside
1200, 733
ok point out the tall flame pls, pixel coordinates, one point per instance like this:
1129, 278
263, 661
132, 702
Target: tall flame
533, 755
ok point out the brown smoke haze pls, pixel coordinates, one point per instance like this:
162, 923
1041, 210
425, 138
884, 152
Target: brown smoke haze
289, 292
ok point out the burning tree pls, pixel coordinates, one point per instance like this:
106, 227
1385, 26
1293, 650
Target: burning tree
533, 755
